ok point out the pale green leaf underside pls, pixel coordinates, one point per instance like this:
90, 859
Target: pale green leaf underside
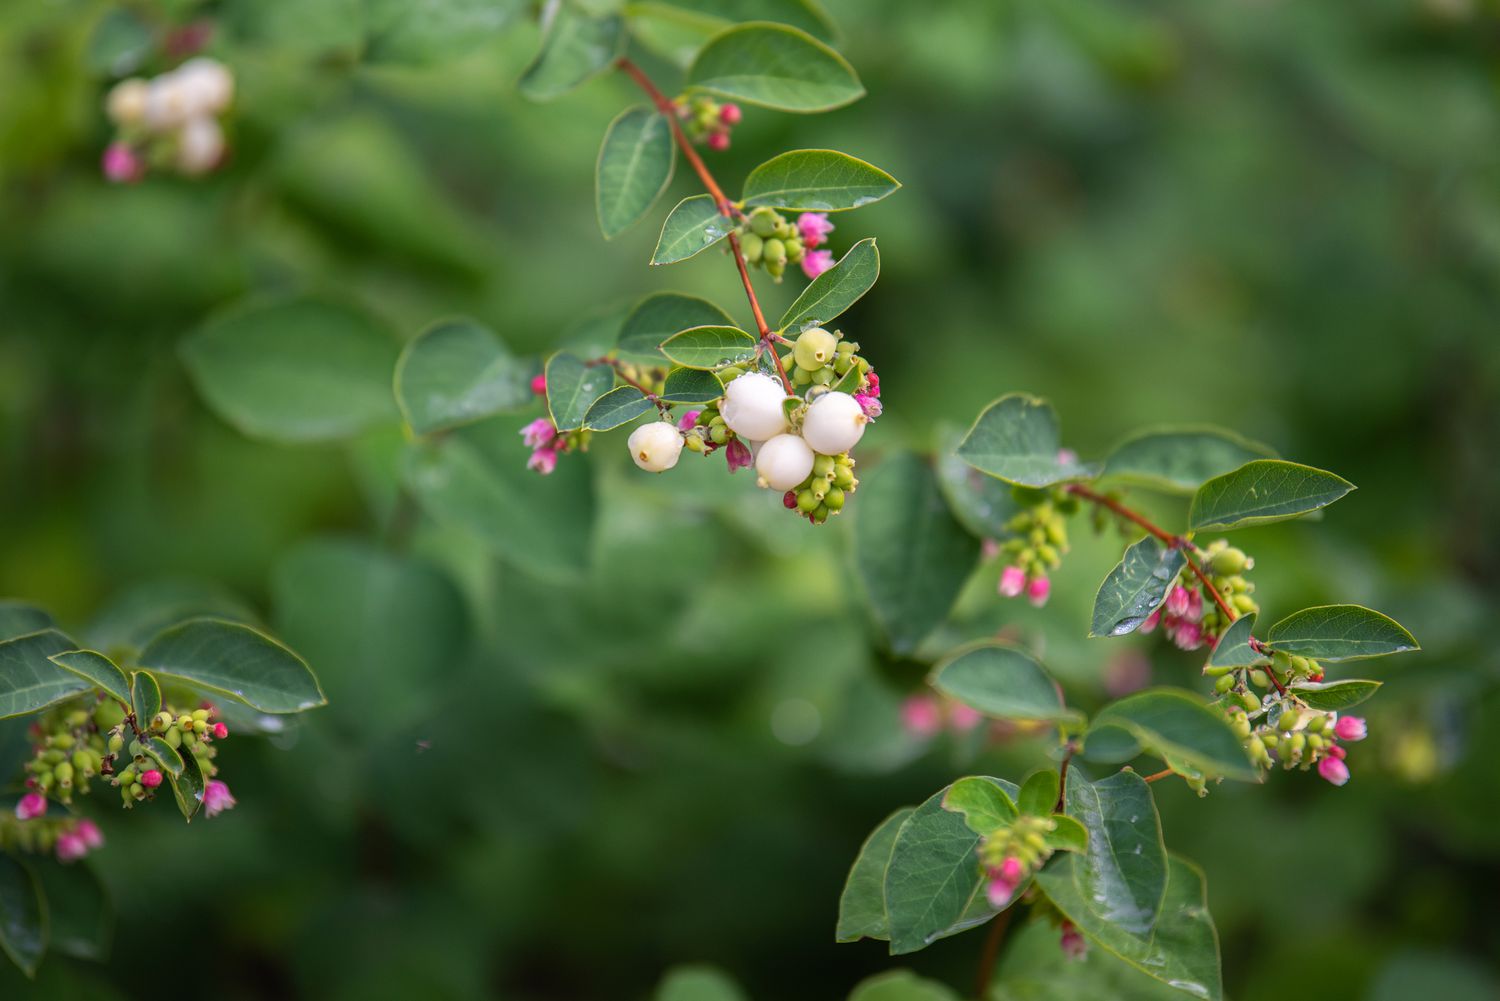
1016, 438
634, 168
836, 289
1136, 587
457, 372
693, 225
1176, 723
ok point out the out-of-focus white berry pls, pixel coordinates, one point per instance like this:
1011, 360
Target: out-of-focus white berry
126, 104
166, 103
834, 423
207, 86
656, 446
200, 145
752, 407
784, 462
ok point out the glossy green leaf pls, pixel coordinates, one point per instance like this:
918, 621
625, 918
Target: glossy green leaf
134, 615
709, 347
659, 316
1136, 587
434, 31
165, 755
299, 370
457, 372
862, 904
1002, 681
836, 289
634, 168
237, 661
576, 48
698, 982
572, 387
1181, 949
1180, 459
29, 680
80, 914
1108, 744
1039, 793
816, 180
1234, 649
1339, 632
1263, 491
1334, 696
96, 669
188, 786
145, 696
1171, 722
911, 555
1016, 438
620, 405
17, 618
1033, 968
1068, 836
774, 66
1123, 872
691, 385
693, 225
983, 805
901, 985
23, 915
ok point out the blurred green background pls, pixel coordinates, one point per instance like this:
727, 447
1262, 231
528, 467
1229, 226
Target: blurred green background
1279, 217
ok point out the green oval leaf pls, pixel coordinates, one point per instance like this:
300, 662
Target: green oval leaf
816, 180
1016, 439
576, 48
1263, 491
165, 755
237, 661
1171, 722
901, 985
774, 66
1180, 459
984, 504
97, 669
634, 168
457, 372
1233, 648
145, 696
836, 289
1002, 681
435, 30
620, 405
912, 556
693, 225
18, 618
572, 387
23, 915
862, 904
80, 914
984, 805
1339, 632
29, 680
1334, 696
659, 316
296, 371
1039, 793
1123, 872
690, 385
1136, 587
188, 786
697, 982
709, 347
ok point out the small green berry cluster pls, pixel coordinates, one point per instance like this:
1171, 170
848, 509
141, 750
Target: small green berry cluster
825, 490
1024, 840
1038, 538
708, 122
1225, 566
70, 748
769, 240
193, 732
822, 357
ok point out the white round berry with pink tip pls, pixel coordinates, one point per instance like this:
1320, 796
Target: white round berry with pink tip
834, 423
784, 462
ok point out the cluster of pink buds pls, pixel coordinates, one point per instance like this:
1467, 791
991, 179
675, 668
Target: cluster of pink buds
813, 228
868, 398
1038, 536
1289, 733
171, 121
545, 441
1180, 617
1073, 944
708, 122
1014, 582
925, 716
77, 840
70, 837
1010, 854
770, 240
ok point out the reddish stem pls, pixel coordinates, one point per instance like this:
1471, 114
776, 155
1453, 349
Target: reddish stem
1165, 773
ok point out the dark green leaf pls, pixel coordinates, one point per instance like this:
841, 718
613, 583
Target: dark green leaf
294, 371
80, 913
836, 289
17, 618
119, 44
434, 31
911, 555
1339, 632
693, 225
1136, 587
816, 180
709, 347
1033, 968
145, 696
572, 387
29, 681
634, 168
1234, 649
901, 985
1039, 793
1123, 872
983, 805
456, 372
1263, 491
620, 405
1334, 696
188, 786
1180, 459
23, 915
776, 67
1181, 950
1016, 439
130, 618
690, 385
862, 904
237, 661
1171, 722
659, 316
96, 669
576, 48
698, 982
164, 754
1000, 680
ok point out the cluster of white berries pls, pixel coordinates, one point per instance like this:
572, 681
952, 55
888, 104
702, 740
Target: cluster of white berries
169, 120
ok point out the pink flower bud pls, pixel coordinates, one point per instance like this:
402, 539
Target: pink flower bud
216, 798
1334, 770
730, 114
718, 141
1187, 635
539, 433
815, 262
921, 716
90, 834
989, 549
999, 892
1152, 621
871, 407
1012, 582
1178, 601
737, 454
814, 228
1038, 591
1011, 870
687, 420
543, 460
873, 389
1066, 457
220, 731
964, 718
31, 805
1073, 944
70, 847
1350, 728
1195, 604
539, 384
151, 778
121, 165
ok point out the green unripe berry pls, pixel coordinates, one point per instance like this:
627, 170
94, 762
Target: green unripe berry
173, 737
64, 774
794, 250
806, 502
162, 720
1229, 561
843, 477
83, 763
116, 741
1288, 721
776, 269
718, 434
752, 247
823, 377
693, 443
801, 376
200, 727
774, 252
200, 715
1258, 679
819, 488
763, 223
815, 348
834, 499
1249, 701
823, 465
61, 740
1224, 684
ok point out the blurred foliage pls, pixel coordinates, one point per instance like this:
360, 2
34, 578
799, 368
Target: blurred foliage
1283, 218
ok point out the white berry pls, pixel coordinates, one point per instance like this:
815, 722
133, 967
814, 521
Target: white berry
656, 446
834, 423
784, 462
126, 104
207, 86
200, 144
166, 103
752, 407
